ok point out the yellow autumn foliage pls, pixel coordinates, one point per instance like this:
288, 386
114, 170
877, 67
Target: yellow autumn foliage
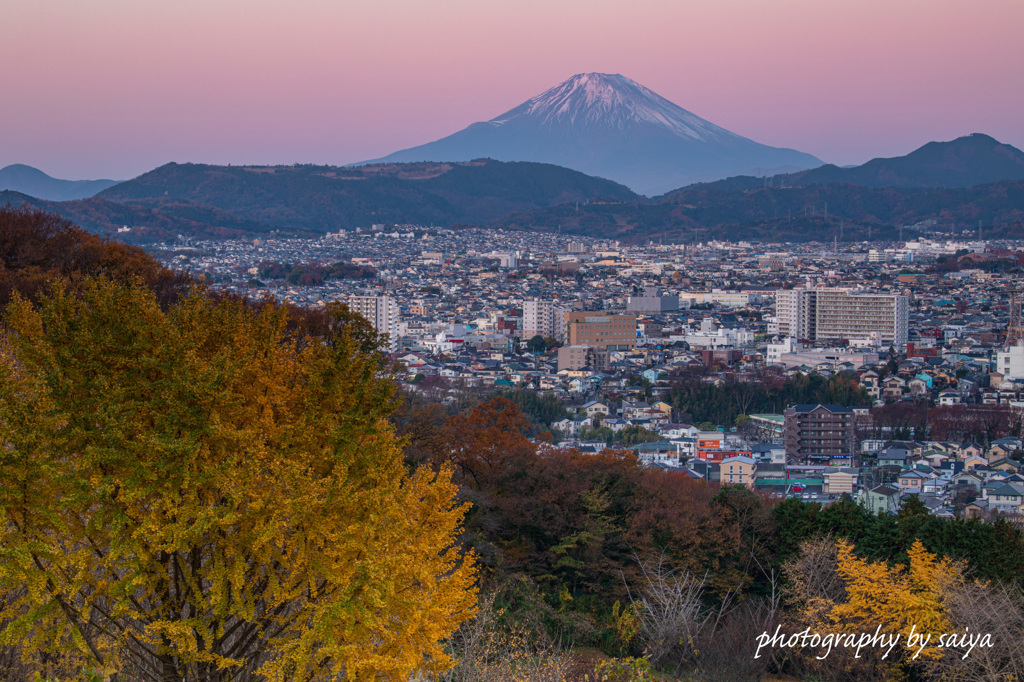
837, 591
898, 599
197, 493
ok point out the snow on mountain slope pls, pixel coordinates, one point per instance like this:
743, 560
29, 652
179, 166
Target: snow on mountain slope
597, 99
611, 126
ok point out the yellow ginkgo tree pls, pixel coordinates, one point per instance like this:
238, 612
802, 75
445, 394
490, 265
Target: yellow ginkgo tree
901, 600
197, 493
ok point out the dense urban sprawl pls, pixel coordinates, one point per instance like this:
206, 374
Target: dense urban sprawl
913, 348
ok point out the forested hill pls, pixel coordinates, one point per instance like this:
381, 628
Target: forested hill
148, 222
964, 162
203, 201
731, 210
328, 198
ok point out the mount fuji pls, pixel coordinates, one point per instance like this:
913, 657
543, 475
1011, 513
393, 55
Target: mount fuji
611, 126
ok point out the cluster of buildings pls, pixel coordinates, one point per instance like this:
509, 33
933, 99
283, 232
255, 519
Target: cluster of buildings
603, 327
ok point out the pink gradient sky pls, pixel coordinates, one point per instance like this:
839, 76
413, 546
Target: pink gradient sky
113, 88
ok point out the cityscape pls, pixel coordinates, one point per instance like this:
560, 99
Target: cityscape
606, 328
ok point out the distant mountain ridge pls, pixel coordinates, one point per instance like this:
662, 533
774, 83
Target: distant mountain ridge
28, 180
327, 198
797, 213
610, 126
967, 161
205, 201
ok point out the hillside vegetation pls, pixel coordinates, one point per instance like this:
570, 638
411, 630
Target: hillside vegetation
801, 213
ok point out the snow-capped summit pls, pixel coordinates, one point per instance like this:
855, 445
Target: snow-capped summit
611, 126
610, 100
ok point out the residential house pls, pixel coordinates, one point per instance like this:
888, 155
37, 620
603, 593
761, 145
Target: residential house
738, 470
919, 386
634, 409
893, 457
948, 397
912, 481
969, 449
659, 452
881, 499
869, 381
968, 479
614, 423
595, 408
893, 388
678, 430
662, 406
974, 462
1005, 464
1006, 499
839, 480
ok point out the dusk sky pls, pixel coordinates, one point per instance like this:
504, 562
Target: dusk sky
113, 88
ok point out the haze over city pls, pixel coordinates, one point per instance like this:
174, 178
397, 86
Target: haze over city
114, 88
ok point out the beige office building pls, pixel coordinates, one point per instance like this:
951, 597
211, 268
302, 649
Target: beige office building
600, 330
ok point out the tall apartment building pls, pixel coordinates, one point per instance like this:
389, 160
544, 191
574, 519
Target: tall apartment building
508, 260
792, 310
832, 314
544, 318
819, 434
381, 312
600, 330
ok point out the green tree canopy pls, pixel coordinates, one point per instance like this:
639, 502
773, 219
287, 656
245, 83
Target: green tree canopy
537, 344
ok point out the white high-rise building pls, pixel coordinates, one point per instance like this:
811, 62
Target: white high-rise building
832, 314
381, 312
792, 307
544, 318
1010, 362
